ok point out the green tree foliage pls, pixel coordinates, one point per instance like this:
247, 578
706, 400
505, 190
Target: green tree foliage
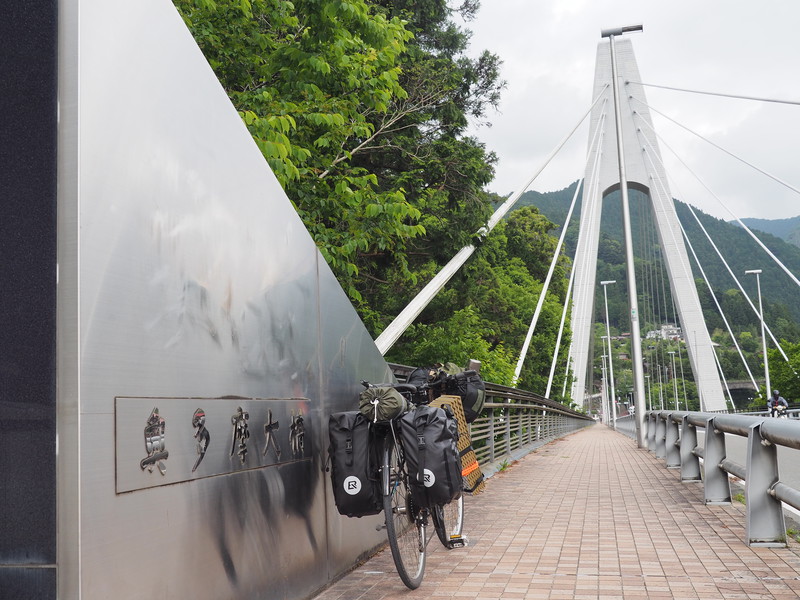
785, 376
501, 290
361, 107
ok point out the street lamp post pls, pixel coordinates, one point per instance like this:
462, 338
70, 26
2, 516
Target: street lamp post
633, 301
674, 378
605, 392
757, 273
605, 285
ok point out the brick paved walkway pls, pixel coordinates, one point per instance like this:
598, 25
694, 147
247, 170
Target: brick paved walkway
590, 516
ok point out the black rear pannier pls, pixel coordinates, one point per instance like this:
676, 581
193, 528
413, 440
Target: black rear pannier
434, 467
354, 471
472, 390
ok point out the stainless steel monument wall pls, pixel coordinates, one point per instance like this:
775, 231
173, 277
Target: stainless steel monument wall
202, 341
646, 173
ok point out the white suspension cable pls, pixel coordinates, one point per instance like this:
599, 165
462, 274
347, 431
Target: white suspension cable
545, 286
722, 376
717, 146
591, 199
708, 283
506, 206
738, 96
716, 249
745, 227
571, 277
570, 287
403, 320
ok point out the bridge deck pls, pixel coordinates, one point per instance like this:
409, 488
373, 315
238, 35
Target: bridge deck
590, 516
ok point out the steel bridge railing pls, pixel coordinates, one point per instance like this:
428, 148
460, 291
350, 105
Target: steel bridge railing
515, 422
672, 435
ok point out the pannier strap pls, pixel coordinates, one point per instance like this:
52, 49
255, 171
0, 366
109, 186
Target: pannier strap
348, 448
419, 424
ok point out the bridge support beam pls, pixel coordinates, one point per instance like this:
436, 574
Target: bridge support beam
717, 486
690, 463
765, 521
672, 452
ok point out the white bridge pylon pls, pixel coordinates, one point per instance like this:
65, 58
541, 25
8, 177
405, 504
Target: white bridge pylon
645, 172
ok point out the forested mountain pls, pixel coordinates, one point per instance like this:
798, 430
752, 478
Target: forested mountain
741, 252
779, 292
786, 229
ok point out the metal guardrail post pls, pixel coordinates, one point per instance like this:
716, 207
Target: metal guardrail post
690, 464
717, 488
651, 432
507, 442
490, 437
661, 434
672, 454
765, 522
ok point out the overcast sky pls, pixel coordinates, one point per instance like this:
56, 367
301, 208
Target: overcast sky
741, 47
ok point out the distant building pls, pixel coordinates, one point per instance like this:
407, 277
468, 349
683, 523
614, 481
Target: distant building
668, 331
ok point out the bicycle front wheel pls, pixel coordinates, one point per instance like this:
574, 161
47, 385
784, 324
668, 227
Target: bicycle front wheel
405, 524
448, 520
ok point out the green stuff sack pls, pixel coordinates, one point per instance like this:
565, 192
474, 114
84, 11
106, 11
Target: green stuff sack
380, 404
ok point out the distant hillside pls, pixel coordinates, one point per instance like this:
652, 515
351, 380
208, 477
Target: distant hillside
741, 252
786, 229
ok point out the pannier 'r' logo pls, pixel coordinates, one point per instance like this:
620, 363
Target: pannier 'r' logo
155, 443
428, 478
352, 485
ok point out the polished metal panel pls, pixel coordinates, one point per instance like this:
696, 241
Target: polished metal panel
161, 441
189, 283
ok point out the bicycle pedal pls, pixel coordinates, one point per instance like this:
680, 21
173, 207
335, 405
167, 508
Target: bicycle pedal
457, 541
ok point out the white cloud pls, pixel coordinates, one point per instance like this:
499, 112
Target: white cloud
726, 46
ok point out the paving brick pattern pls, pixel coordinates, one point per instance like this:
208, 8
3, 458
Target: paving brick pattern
590, 516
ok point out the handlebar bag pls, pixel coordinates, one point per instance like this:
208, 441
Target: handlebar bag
380, 404
472, 390
430, 437
354, 467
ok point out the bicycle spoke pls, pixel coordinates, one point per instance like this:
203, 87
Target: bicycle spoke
405, 527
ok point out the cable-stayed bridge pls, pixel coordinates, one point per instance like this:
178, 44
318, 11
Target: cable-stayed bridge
173, 340
624, 146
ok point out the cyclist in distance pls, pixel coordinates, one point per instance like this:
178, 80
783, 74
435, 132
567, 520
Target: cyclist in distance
777, 404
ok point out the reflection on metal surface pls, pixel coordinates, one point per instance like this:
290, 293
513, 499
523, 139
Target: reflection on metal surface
201, 435
269, 427
297, 434
241, 432
154, 443
187, 281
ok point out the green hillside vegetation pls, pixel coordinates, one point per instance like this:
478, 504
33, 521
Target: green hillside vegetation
782, 312
786, 229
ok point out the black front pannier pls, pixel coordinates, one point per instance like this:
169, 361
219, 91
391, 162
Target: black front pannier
472, 390
430, 437
354, 470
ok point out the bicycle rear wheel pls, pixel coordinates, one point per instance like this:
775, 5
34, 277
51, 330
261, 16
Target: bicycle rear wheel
448, 520
405, 523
